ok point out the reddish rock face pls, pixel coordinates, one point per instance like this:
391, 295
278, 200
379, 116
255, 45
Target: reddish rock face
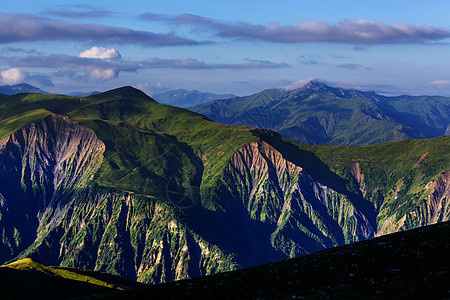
38, 163
69, 154
282, 193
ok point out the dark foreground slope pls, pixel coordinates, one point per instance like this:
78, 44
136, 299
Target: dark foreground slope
409, 265
28, 279
119, 183
320, 114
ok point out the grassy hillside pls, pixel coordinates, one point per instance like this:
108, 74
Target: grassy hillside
140, 135
27, 278
391, 171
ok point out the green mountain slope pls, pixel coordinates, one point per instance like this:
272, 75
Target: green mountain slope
28, 279
118, 183
319, 114
408, 264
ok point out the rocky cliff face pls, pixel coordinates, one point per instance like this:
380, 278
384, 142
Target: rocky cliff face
132, 236
51, 211
284, 211
431, 207
303, 214
38, 165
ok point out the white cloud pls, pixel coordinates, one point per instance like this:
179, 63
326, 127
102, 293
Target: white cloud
298, 84
440, 82
16, 75
194, 64
152, 88
104, 74
355, 31
13, 76
16, 28
76, 67
101, 53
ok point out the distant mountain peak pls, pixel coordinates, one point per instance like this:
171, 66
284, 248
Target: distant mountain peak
313, 83
20, 88
126, 90
125, 93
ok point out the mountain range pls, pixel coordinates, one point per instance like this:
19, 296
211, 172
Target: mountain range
320, 114
118, 183
20, 88
185, 98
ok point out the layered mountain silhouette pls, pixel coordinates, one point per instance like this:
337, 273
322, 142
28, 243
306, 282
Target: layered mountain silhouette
185, 98
118, 183
320, 114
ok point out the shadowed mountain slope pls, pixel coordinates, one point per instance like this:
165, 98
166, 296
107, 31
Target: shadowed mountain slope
410, 264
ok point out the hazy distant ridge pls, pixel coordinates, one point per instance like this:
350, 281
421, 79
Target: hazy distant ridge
185, 98
20, 88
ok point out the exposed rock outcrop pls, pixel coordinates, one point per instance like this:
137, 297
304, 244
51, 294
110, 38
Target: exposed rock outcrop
430, 209
131, 236
50, 211
48, 157
39, 163
306, 215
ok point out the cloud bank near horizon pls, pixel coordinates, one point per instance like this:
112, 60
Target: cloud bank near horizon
16, 76
98, 64
356, 31
77, 14
194, 64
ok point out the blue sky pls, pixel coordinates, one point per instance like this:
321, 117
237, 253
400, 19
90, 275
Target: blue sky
240, 47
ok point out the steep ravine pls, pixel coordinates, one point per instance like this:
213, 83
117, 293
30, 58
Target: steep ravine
133, 236
305, 215
431, 208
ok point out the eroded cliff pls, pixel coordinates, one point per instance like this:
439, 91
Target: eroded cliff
303, 214
52, 211
39, 164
